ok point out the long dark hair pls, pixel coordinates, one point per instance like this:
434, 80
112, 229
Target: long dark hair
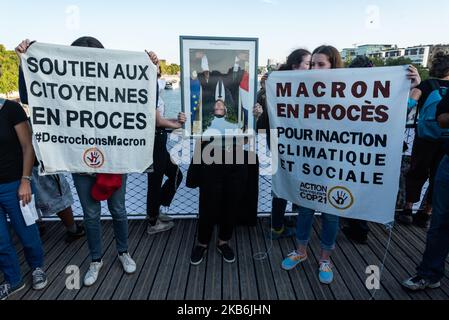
333, 55
296, 57
440, 66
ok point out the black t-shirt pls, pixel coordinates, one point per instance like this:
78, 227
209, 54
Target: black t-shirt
426, 89
443, 107
11, 158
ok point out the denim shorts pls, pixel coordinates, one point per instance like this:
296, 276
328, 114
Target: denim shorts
52, 193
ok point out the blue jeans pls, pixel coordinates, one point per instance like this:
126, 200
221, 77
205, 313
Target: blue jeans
29, 236
329, 231
92, 214
437, 245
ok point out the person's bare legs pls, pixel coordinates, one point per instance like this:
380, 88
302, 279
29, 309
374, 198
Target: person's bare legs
409, 206
302, 250
325, 255
428, 209
74, 231
67, 219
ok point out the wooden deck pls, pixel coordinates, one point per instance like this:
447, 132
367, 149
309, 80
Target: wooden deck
164, 271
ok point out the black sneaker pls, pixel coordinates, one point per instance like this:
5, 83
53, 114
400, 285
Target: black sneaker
227, 253
73, 236
197, 255
357, 237
405, 217
421, 219
39, 279
417, 283
6, 290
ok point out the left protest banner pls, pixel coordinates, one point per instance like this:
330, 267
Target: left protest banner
92, 110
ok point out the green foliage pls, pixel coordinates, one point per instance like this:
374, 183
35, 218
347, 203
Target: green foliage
9, 70
171, 69
423, 72
378, 62
398, 61
390, 62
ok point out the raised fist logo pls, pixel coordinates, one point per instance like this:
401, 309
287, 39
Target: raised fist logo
340, 198
93, 158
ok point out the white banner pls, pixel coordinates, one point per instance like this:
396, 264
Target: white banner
92, 110
339, 135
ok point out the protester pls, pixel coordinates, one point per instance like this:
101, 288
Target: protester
297, 60
324, 57
223, 186
161, 195
431, 269
92, 189
426, 154
16, 162
53, 194
358, 230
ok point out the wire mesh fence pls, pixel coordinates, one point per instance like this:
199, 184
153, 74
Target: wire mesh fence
184, 204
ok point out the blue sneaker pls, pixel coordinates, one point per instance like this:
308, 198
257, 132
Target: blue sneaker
325, 274
292, 260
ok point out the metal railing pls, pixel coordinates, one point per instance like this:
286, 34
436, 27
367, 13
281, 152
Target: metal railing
185, 203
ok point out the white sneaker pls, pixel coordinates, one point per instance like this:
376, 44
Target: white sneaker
129, 265
160, 227
163, 215
92, 274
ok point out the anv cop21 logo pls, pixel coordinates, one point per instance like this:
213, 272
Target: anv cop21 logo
340, 198
93, 158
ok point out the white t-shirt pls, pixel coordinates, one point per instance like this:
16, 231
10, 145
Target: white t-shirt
161, 103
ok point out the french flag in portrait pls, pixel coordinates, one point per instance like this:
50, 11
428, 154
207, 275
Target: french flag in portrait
245, 97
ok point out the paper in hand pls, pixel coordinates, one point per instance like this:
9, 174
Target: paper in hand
29, 212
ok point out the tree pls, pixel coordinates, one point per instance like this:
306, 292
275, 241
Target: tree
171, 69
398, 61
9, 71
391, 62
423, 72
378, 62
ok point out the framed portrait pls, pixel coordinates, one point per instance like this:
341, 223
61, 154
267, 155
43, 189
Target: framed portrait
219, 84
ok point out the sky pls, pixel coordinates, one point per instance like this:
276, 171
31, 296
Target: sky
280, 25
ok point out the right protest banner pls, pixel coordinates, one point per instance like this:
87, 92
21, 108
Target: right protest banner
338, 139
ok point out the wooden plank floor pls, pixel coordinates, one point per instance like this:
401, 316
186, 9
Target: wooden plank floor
164, 271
